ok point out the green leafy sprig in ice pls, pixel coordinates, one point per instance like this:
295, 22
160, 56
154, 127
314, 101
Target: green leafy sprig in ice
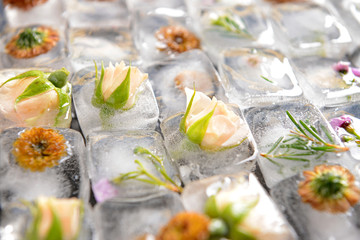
231, 24
302, 143
143, 175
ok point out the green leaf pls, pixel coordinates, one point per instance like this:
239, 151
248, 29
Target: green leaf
266, 79
64, 104
239, 233
235, 213
55, 231
312, 132
197, 130
211, 208
183, 119
38, 86
121, 94
32, 232
59, 77
276, 144
32, 73
98, 99
327, 133
295, 123
218, 228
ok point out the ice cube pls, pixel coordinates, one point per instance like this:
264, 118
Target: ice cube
112, 153
169, 79
310, 223
129, 219
195, 163
254, 76
64, 180
143, 115
269, 123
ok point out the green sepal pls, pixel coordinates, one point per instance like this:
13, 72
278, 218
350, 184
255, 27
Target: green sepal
32, 73
64, 104
183, 119
38, 86
235, 213
32, 232
98, 98
55, 230
59, 77
218, 228
211, 208
197, 130
239, 233
121, 94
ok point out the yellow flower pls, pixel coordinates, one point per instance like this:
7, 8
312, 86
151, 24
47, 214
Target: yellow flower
38, 148
186, 226
329, 188
62, 216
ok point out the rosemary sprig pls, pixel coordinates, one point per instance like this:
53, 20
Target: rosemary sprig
143, 175
266, 79
301, 143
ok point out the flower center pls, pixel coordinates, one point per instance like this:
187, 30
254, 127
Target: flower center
40, 147
30, 38
345, 124
329, 185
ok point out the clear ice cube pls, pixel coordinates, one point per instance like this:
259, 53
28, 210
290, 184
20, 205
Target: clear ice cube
309, 223
154, 5
195, 163
269, 123
253, 76
130, 219
64, 180
353, 110
106, 44
323, 85
309, 29
48, 13
242, 186
147, 24
246, 25
112, 153
55, 58
169, 78
143, 115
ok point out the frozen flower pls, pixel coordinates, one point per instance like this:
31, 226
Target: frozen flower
36, 98
55, 219
32, 42
356, 72
342, 67
118, 86
211, 123
104, 190
177, 39
24, 4
39, 148
329, 188
344, 122
186, 226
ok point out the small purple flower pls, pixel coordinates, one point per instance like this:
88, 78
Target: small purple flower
342, 67
356, 71
104, 190
340, 122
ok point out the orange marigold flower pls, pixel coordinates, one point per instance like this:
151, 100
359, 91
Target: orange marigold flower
186, 226
177, 38
38, 148
32, 42
24, 4
329, 188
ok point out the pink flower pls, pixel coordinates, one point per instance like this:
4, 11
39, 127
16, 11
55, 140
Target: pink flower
340, 122
103, 190
356, 72
342, 67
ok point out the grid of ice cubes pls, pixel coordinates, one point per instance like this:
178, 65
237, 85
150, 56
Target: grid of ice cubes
298, 44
